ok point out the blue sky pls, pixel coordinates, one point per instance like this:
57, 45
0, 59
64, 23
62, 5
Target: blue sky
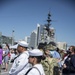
22, 16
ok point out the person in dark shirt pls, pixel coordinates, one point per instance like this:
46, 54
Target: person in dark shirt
1, 54
69, 64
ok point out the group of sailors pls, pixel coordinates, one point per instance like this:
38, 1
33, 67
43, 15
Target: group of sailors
40, 61
27, 62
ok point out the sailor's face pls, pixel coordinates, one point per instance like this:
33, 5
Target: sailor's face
47, 52
19, 48
31, 59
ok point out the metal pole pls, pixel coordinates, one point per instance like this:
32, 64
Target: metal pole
38, 27
12, 37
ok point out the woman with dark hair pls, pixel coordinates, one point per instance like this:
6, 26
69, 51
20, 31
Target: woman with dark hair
6, 57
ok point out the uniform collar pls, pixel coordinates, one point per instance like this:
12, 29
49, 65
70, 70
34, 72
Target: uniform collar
36, 65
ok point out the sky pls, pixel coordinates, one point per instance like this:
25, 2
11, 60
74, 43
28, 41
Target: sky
22, 16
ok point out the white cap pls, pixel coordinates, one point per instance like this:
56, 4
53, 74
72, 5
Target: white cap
23, 43
35, 52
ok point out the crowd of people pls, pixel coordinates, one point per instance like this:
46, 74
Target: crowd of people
41, 61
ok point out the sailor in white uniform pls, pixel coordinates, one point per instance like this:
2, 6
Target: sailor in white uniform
21, 61
35, 57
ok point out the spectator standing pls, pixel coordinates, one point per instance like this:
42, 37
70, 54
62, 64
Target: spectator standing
6, 57
69, 64
1, 54
12, 54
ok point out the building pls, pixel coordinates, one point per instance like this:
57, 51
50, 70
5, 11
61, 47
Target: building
5, 39
33, 39
27, 39
62, 45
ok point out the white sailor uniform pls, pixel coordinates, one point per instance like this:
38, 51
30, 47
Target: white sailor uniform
19, 63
